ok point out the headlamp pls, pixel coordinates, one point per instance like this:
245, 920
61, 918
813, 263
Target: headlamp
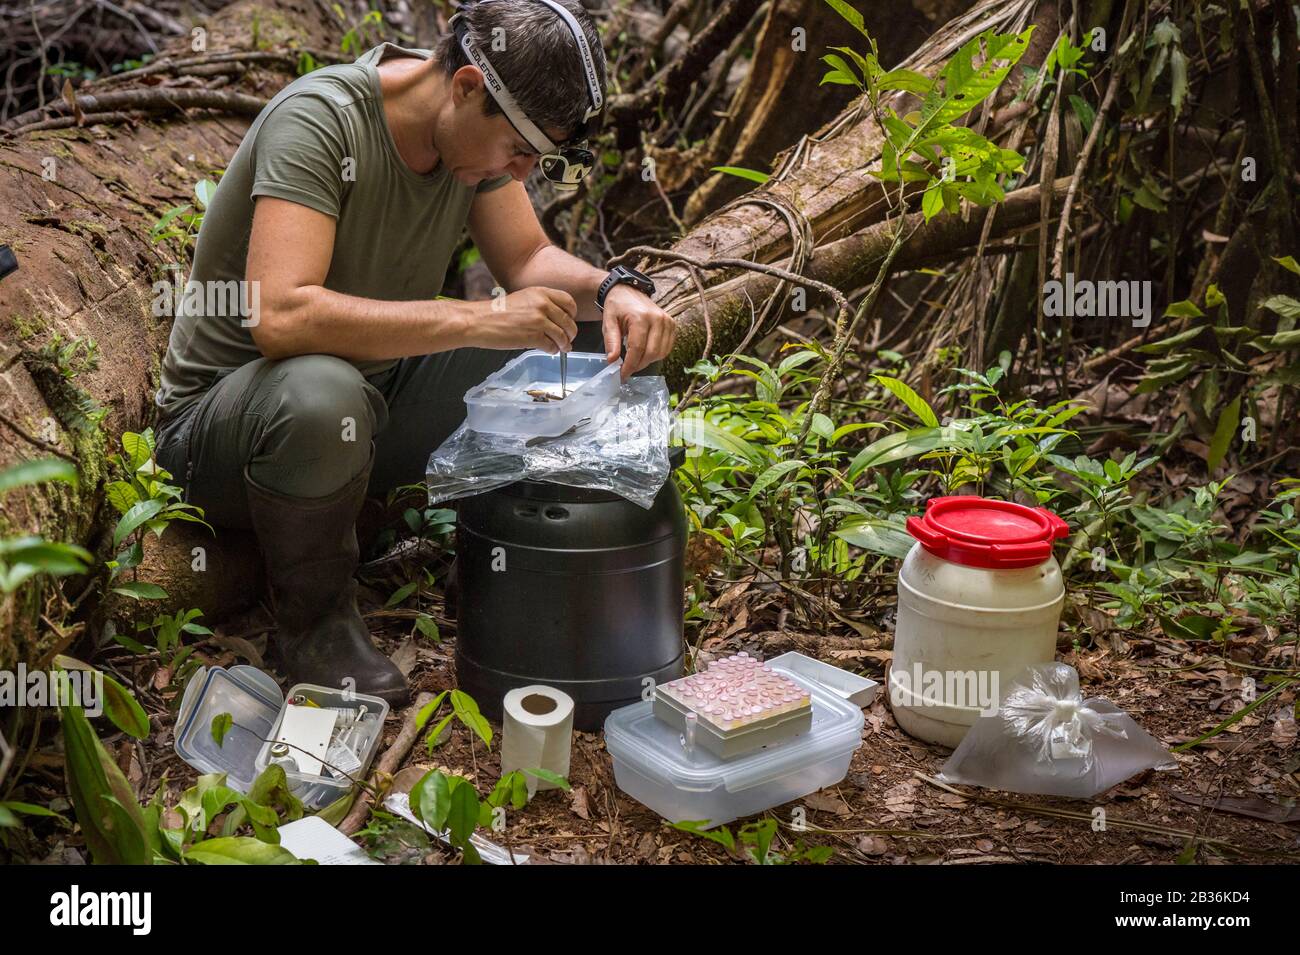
563, 164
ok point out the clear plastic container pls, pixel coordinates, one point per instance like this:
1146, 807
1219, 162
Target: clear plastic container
651, 763
250, 697
500, 404
256, 707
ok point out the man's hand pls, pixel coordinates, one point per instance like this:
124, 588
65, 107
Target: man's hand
650, 331
534, 317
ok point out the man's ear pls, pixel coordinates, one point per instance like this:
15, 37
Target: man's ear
466, 83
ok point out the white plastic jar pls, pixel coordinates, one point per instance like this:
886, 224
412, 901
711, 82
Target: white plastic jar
979, 599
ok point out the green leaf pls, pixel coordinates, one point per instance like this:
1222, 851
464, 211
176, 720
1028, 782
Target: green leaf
1178, 372
428, 627
1184, 309
908, 80
39, 471
8, 809
1289, 263
427, 711
932, 200
122, 496
462, 812
555, 779
775, 473
111, 821
918, 405
204, 189
841, 68
900, 445
141, 590
1170, 343
120, 705
753, 175
401, 593
435, 735
1283, 305
1284, 340
722, 835
1191, 627
139, 449
239, 850
851, 15
1177, 80
962, 86
431, 800
1223, 432
837, 78
467, 712
699, 431
878, 536
823, 427
137, 515
1083, 111
123, 710
221, 724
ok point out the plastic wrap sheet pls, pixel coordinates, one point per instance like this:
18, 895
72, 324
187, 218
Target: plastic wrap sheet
622, 448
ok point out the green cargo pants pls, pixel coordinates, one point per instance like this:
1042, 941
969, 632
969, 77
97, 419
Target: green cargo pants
304, 425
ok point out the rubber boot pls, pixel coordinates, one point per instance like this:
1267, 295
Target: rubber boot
311, 551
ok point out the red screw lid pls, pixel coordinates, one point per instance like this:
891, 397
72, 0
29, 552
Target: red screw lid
979, 532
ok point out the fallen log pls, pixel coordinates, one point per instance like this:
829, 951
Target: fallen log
820, 194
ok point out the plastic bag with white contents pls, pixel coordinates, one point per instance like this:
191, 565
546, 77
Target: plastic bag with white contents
622, 447
1048, 740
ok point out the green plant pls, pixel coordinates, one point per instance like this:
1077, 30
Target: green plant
947, 162
165, 631
180, 224
146, 502
357, 39
755, 840
117, 830
464, 709
451, 804
1216, 366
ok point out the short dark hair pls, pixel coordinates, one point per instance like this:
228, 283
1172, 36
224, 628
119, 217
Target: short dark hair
540, 62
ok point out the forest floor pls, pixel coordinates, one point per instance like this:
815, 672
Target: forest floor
885, 811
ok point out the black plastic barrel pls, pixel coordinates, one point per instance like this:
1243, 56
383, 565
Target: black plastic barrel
577, 589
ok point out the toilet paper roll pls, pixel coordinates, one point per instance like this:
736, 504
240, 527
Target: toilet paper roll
537, 732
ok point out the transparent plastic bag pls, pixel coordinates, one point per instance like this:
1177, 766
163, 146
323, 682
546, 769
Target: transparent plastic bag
622, 447
1047, 739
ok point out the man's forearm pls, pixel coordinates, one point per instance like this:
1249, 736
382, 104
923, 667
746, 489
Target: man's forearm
552, 267
316, 320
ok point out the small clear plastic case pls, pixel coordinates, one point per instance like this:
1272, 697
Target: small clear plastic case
524, 396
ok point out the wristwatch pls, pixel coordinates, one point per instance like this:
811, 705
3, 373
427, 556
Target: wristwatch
622, 275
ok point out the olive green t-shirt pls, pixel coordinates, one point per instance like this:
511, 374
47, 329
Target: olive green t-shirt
322, 142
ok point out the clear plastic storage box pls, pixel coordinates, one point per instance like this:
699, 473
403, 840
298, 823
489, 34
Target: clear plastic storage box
256, 707
651, 764
501, 403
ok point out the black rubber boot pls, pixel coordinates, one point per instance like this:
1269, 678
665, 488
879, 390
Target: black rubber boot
310, 545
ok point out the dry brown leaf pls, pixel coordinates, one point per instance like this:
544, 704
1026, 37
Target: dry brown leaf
873, 845
404, 657
1284, 733
827, 802
578, 802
